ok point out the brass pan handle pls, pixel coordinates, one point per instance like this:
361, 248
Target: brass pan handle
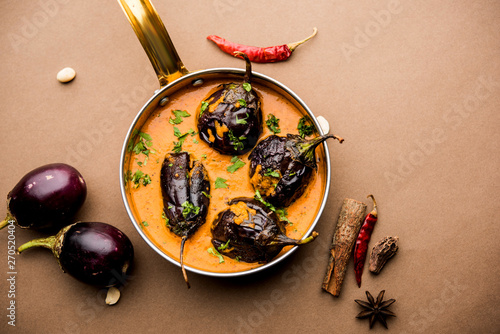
155, 40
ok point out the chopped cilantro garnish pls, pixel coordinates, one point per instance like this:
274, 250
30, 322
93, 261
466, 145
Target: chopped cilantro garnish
142, 146
220, 183
182, 137
177, 146
179, 114
304, 128
163, 216
188, 208
130, 145
177, 132
224, 246
237, 164
259, 198
237, 144
242, 102
204, 156
143, 163
127, 176
204, 106
273, 173
241, 121
139, 177
281, 212
206, 195
145, 223
214, 252
247, 86
273, 123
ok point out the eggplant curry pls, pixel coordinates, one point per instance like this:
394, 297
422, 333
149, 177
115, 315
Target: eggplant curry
184, 191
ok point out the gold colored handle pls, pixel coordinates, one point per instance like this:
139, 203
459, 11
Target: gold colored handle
155, 40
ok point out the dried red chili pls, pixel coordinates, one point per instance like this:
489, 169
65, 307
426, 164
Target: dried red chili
362, 241
257, 54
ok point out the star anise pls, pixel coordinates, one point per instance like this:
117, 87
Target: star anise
375, 310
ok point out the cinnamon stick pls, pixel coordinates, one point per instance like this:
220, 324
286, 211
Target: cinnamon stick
348, 225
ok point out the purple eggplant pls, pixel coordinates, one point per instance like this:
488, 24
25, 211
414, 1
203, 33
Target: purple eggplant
250, 232
95, 253
47, 197
281, 167
186, 196
230, 119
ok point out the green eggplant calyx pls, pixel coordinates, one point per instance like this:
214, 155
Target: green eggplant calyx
283, 240
303, 149
8, 220
48, 243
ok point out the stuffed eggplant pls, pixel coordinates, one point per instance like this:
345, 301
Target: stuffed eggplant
186, 191
250, 232
230, 119
281, 167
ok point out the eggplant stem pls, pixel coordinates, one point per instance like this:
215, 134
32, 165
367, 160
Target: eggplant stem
248, 71
283, 240
310, 238
182, 261
340, 139
310, 145
292, 46
7, 221
304, 150
318, 140
48, 242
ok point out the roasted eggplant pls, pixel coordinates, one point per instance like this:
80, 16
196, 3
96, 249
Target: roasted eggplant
230, 119
186, 191
281, 167
250, 232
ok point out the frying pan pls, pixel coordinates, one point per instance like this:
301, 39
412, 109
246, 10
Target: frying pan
173, 76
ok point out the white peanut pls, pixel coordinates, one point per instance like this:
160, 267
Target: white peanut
66, 75
112, 296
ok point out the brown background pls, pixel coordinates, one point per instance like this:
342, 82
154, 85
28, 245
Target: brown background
412, 86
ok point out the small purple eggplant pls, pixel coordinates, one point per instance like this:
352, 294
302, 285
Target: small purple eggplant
186, 196
281, 167
95, 253
250, 232
230, 119
47, 197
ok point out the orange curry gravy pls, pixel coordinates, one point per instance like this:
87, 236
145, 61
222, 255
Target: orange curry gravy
146, 201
